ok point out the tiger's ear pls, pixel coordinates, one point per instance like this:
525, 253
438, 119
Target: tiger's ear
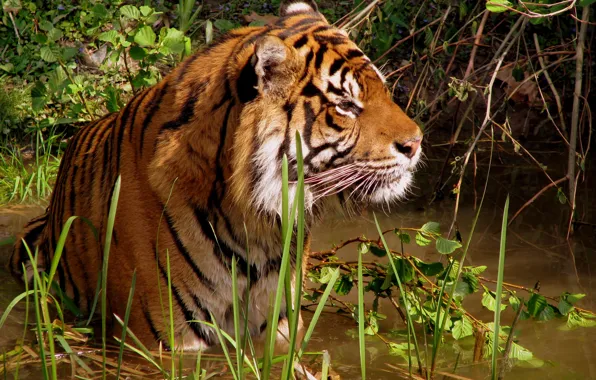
274, 64
292, 7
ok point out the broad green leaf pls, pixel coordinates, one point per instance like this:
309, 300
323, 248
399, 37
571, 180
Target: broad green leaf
490, 302
565, 307
110, 36
377, 251
327, 274
54, 34
68, 53
145, 10
145, 36
536, 304
462, 328
47, 54
498, 6
471, 280
363, 248
446, 246
546, 314
476, 270
430, 269
561, 196
224, 25
431, 228
404, 237
46, 26
520, 353
100, 10
573, 298
343, 285
421, 240
130, 11
584, 3
575, 319
137, 53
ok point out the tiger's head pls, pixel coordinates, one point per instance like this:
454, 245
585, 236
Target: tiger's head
312, 79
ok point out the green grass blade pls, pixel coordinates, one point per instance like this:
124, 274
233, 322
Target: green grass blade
318, 311
224, 346
236, 312
104, 269
299, 201
499, 290
172, 341
125, 324
411, 332
12, 304
361, 320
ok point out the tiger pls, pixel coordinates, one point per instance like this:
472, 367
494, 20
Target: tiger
199, 156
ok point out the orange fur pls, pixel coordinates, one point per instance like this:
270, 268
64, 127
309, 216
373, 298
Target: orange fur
199, 156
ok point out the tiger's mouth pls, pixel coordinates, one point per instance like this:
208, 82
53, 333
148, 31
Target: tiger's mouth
363, 182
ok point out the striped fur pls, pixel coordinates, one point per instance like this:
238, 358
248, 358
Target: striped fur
199, 155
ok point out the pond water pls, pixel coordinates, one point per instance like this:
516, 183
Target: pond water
536, 251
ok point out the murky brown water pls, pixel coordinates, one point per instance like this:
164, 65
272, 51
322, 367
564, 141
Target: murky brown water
536, 251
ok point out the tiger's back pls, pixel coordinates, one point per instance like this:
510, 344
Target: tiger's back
199, 157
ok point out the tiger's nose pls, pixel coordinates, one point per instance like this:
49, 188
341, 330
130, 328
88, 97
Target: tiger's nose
409, 148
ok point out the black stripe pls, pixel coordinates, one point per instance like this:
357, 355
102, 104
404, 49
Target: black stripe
309, 119
353, 53
337, 91
182, 249
226, 96
152, 327
335, 39
320, 56
331, 123
336, 65
135, 112
188, 109
197, 328
301, 42
153, 107
30, 238
246, 83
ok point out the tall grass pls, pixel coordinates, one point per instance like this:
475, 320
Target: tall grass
499, 291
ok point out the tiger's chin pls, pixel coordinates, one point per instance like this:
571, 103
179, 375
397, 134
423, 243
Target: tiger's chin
391, 191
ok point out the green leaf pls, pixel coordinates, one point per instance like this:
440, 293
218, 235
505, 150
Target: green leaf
137, 53
130, 11
476, 270
110, 36
546, 314
517, 73
561, 196
498, 6
145, 36
100, 10
446, 246
343, 286
431, 228
462, 328
224, 25
575, 319
68, 53
54, 34
431, 269
327, 274
377, 251
146, 11
404, 237
46, 26
363, 248
585, 3
47, 54
520, 353
565, 307
421, 240
536, 304
490, 302
471, 280
573, 298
